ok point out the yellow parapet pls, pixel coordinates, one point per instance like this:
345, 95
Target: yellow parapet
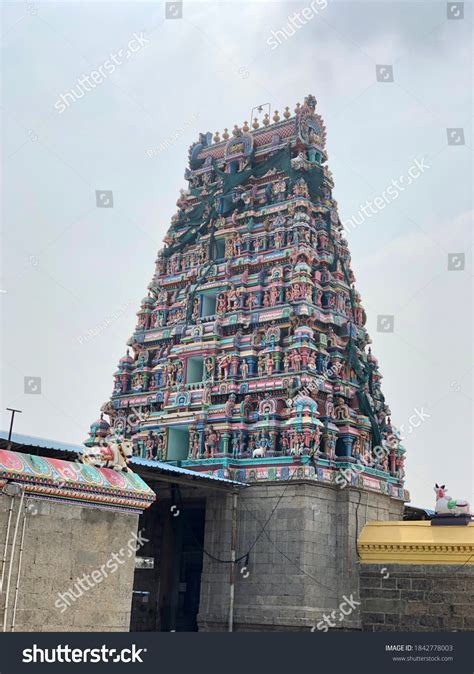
416, 543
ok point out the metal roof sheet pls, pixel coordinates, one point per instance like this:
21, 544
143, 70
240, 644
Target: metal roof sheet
428, 511
45, 443
159, 466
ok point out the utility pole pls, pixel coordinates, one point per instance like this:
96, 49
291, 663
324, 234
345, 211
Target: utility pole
233, 545
13, 411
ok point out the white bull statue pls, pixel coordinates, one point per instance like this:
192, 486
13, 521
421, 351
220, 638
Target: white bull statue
115, 454
445, 505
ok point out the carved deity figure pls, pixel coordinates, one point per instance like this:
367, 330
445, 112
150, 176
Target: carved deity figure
211, 443
221, 304
150, 446
237, 244
233, 299
137, 383
229, 247
274, 295
295, 360
280, 189
209, 368
179, 372
329, 406
195, 308
341, 410
194, 443
229, 406
331, 446
356, 450
251, 301
269, 364
223, 366
170, 374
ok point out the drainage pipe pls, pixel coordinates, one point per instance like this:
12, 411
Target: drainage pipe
20, 557
233, 544
12, 556
11, 489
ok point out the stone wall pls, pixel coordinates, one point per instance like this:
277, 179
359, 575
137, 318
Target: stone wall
417, 597
300, 567
62, 542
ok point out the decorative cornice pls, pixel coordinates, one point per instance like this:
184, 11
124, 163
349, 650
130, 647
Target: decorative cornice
73, 481
416, 543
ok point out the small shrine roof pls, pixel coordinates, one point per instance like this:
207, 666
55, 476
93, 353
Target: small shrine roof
48, 478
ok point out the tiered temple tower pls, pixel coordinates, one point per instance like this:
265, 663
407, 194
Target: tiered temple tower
250, 354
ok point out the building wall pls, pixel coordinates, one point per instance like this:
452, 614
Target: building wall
417, 598
62, 542
300, 567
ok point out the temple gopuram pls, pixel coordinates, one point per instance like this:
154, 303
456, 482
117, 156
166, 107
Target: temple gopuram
250, 358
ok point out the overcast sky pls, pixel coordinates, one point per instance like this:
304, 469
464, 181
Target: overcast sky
71, 269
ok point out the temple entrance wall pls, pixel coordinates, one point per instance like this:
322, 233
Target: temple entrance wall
299, 568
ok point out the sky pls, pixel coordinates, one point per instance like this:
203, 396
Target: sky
393, 85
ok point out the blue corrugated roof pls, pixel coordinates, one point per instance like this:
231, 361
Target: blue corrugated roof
46, 443
428, 511
159, 466
168, 468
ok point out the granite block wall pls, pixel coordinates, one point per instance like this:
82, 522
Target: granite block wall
417, 597
300, 567
64, 542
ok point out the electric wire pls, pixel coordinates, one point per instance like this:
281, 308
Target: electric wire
247, 554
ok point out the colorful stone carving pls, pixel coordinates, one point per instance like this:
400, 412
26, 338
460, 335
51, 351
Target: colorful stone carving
250, 347
114, 454
67, 480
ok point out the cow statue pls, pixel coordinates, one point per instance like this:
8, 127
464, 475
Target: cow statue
114, 454
445, 505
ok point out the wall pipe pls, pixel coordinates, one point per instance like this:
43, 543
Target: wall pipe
7, 537
18, 574
12, 556
233, 544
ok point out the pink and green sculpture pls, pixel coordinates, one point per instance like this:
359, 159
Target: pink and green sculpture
250, 358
